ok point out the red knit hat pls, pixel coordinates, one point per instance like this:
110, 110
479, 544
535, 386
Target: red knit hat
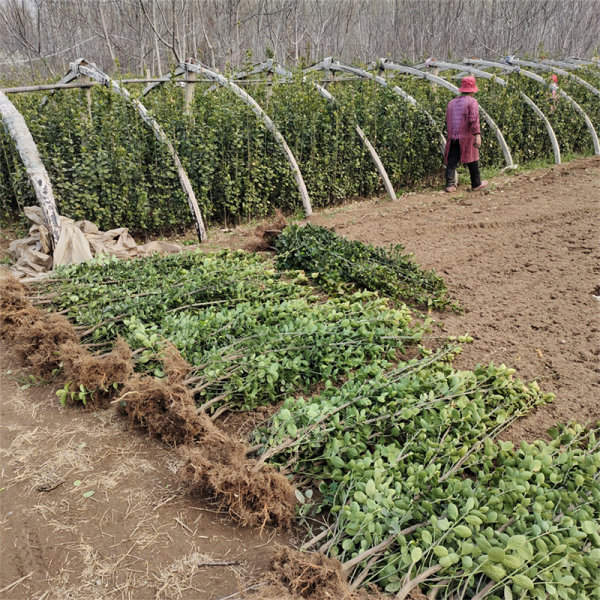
468, 85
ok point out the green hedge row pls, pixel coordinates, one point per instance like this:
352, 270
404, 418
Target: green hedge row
110, 169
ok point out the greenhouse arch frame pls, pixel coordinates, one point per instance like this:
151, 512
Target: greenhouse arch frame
512, 69
329, 64
270, 66
498, 80
80, 68
193, 67
389, 65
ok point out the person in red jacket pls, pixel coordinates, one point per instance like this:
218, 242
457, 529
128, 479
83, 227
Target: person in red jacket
464, 136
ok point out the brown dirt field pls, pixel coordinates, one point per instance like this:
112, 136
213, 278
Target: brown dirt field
523, 261
139, 536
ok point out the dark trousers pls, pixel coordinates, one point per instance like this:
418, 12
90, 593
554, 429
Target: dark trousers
454, 159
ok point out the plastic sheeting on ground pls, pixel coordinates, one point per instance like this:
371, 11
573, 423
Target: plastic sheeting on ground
79, 241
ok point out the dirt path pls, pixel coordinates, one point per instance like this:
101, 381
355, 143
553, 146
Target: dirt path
523, 260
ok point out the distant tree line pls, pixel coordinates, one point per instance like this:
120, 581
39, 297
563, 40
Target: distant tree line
38, 38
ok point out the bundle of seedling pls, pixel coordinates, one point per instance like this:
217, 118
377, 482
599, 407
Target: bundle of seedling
418, 491
338, 264
250, 334
397, 458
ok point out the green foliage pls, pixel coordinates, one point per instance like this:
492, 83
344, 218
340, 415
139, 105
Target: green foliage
409, 455
251, 334
109, 169
404, 451
335, 262
235, 165
524, 132
81, 394
112, 170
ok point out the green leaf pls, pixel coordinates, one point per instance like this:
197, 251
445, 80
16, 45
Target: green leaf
463, 531
496, 554
452, 511
416, 554
495, 572
371, 488
512, 562
443, 524
523, 582
589, 527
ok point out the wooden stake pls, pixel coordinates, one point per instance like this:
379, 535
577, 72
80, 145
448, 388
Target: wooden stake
88, 97
189, 93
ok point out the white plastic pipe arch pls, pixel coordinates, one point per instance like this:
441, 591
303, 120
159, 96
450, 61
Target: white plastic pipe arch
542, 81
256, 108
336, 65
449, 86
38, 176
271, 66
82, 67
537, 65
498, 80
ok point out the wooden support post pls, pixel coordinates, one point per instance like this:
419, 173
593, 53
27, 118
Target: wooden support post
435, 72
88, 97
269, 88
189, 93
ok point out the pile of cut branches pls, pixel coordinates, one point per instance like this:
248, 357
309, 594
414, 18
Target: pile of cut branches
338, 264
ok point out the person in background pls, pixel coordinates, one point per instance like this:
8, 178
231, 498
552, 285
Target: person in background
554, 88
464, 136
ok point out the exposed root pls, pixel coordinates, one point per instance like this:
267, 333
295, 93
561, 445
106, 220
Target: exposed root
166, 409
265, 235
37, 342
15, 309
97, 373
219, 466
256, 494
45, 342
295, 575
175, 367
215, 462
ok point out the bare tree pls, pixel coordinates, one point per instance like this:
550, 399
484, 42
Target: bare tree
39, 37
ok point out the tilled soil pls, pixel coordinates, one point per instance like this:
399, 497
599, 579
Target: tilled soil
523, 262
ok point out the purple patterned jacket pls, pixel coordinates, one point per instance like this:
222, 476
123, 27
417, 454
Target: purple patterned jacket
468, 109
